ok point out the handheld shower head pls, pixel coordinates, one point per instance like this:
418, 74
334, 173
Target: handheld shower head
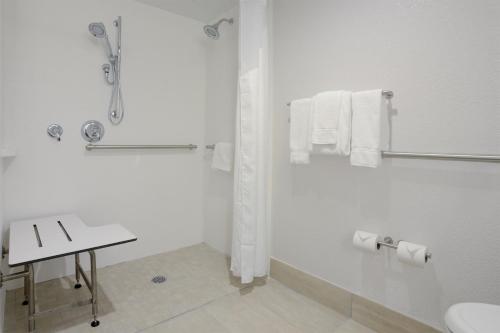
98, 30
212, 31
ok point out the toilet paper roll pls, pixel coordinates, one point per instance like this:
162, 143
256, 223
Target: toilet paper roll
412, 254
365, 241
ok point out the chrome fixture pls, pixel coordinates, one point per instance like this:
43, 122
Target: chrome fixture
18, 275
388, 94
159, 279
441, 156
92, 131
390, 243
90, 147
210, 147
212, 31
112, 70
55, 131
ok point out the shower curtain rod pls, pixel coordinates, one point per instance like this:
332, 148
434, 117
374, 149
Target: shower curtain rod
386, 93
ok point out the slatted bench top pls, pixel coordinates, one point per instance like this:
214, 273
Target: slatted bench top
56, 236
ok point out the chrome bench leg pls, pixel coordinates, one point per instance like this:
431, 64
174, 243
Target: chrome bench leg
26, 287
77, 271
93, 277
31, 299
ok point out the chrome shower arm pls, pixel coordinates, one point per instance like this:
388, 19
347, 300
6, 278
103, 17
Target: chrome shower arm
230, 21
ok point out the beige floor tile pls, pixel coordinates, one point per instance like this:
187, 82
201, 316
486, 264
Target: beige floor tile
199, 296
239, 313
298, 310
353, 327
197, 321
382, 319
195, 276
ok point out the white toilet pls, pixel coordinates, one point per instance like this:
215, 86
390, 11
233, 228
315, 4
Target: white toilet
473, 318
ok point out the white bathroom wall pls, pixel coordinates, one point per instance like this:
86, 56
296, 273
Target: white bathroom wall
441, 58
2, 264
222, 72
53, 75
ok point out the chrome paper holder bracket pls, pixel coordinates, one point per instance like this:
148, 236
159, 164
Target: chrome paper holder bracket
390, 243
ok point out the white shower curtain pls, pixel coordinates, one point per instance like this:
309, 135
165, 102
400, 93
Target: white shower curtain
251, 221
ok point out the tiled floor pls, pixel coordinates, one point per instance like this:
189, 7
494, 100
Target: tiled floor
199, 296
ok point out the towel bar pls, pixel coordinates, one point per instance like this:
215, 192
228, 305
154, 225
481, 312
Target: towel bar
440, 156
90, 147
386, 93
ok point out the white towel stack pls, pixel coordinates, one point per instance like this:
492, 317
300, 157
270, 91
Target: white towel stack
365, 145
337, 123
326, 106
331, 132
223, 156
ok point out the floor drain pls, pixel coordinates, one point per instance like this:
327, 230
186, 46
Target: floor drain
159, 279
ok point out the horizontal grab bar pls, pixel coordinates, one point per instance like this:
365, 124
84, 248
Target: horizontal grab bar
90, 147
388, 94
440, 156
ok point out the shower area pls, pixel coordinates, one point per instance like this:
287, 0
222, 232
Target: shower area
143, 73
136, 73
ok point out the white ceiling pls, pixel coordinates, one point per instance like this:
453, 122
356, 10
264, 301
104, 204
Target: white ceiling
201, 10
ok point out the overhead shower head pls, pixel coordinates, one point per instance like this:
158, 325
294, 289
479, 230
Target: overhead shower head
212, 31
98, 29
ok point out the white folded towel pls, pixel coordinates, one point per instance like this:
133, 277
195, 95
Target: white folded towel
344, 125
326, 106
332, 115
300, 130
223, 156
365, 145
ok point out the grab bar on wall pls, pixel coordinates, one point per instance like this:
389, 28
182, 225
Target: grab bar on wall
90, 147
386, 93
440, 156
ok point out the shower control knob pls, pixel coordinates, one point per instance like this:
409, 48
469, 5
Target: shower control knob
92, 131
55, 131
106, 68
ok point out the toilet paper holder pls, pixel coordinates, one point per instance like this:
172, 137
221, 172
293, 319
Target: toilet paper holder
390, 243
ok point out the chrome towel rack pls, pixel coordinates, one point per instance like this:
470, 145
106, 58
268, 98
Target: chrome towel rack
441, 156
91, 147
388, 94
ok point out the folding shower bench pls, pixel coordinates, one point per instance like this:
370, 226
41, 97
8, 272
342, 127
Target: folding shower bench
46, 238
